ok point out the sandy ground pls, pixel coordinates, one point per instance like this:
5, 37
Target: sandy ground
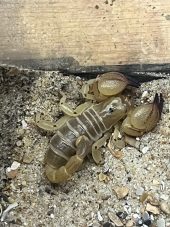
85, 200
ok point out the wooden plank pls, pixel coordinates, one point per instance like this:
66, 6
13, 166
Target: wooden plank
107, 32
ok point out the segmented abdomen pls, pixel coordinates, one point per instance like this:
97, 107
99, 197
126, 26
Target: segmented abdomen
62, 145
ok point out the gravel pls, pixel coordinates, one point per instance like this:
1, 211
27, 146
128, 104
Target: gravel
84, 200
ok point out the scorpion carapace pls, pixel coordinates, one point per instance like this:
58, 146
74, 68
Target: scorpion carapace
86, 128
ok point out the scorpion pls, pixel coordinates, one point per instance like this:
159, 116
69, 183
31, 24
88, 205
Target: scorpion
85, 129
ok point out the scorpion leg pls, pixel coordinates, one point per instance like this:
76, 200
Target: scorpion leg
73, 164
70, 111
49, 125
116, 140
96, 153
85, 90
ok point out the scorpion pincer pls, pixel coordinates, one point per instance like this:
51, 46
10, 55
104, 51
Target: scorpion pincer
85, 129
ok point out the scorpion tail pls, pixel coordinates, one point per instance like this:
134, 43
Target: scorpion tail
158, 101
64, 172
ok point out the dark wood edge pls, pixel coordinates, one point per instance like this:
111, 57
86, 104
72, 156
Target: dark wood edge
69, 66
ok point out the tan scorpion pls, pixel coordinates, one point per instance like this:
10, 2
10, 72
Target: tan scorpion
86, 128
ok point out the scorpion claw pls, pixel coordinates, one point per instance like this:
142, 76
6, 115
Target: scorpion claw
106, 85
69, 111
143, 118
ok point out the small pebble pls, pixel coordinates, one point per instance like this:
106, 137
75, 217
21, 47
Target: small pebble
162, 187
161, 222
103, 177
136, 216
145, 94
99, 217
130, 223
152, 209
147, 222
15, 165
114, 218
24, 183
106, 168
27, 158
108, 224
145, 150
145, 216
164, 197
121, 192
155, 182
19, 143
127, 209
52, 216
21, 131
139, 191
165, 207
11, 172
122, 215
24, 124
140, 222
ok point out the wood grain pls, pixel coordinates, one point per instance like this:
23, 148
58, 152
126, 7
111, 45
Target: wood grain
92, 32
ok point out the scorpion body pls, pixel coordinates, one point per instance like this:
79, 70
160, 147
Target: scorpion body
84, 129
64, 157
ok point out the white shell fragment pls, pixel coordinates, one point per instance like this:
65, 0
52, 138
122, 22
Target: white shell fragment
52, 216
0, 210
8, 209
155, 182
15, 165
145, 150
162, 186
99, 217
24, 124
144, 94
11, 172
